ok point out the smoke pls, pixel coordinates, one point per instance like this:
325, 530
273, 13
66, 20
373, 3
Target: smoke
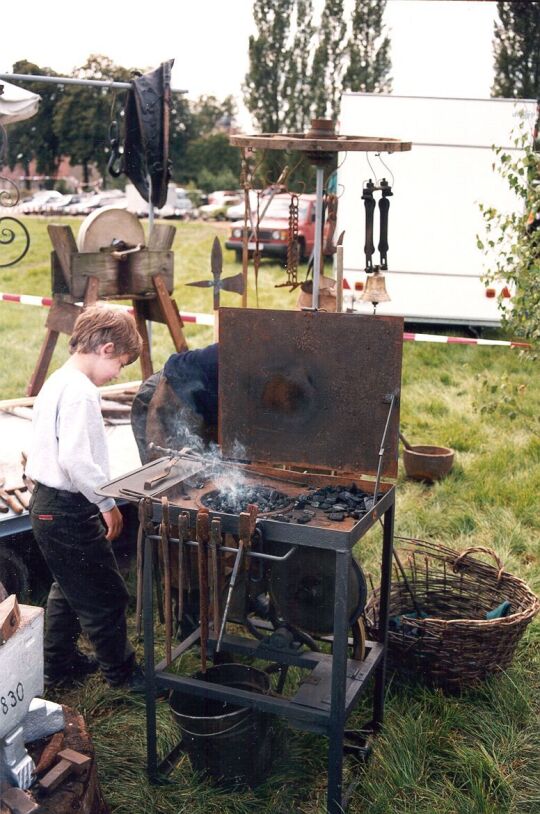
188, 432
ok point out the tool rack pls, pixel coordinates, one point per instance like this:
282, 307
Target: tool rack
323, 702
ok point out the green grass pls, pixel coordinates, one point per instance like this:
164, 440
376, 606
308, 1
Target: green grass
472, 754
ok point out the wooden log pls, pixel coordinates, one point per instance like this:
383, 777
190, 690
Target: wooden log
81, 793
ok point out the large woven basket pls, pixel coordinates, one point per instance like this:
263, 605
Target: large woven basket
455, 646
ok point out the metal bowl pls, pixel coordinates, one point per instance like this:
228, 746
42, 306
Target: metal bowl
428, 463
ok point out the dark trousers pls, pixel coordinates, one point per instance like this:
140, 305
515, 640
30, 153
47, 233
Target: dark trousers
88, 592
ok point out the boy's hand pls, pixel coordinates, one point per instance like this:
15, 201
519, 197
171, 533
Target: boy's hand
114, 523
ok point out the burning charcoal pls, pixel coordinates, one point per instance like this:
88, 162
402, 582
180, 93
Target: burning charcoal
315, 504
337, 516
339, 507
305, 517
300, 503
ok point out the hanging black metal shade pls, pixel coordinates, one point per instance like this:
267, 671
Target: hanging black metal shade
147, 120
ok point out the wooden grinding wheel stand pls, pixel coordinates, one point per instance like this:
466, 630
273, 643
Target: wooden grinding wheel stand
145, 276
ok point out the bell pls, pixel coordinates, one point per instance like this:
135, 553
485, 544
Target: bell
375, 290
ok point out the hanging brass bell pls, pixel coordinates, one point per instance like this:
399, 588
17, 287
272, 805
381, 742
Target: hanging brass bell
375, 290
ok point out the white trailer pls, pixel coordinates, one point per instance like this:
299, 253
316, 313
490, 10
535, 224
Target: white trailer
435, 268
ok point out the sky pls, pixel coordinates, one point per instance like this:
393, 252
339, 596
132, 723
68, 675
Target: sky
439, 47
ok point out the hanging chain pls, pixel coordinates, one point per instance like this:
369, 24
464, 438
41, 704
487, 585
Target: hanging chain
257, 252
293, 246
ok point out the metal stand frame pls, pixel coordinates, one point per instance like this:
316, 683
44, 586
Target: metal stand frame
322, 703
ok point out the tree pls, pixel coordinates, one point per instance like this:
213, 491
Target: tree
517, 50
368, 50
36, 138
297, 90
208, 112
328, 59
216, 158
298, 70
512, 241
83, 115
267, 84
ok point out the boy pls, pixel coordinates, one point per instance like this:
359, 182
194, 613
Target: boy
74, 526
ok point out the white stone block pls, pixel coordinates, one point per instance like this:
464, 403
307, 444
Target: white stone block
44, 718
21, 669
16, 765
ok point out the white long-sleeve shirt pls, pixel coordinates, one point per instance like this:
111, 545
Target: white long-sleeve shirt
69, 448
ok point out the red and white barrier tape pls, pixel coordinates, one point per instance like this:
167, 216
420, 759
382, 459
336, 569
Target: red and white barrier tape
208, 319
462, 340
30, 299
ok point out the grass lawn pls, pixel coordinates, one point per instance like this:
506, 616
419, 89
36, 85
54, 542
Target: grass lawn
477, 753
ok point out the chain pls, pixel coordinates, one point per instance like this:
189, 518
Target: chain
292, 244
257, 252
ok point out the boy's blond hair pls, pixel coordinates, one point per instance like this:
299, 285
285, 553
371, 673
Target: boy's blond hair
98, 325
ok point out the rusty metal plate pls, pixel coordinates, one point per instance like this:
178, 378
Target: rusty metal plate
309, 389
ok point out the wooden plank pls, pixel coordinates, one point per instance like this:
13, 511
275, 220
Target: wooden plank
146, 356
59, 286
95, 264
65, 247
62, 316
10, 617
170, 310
161, 237
92, 291
42, 365
137, 271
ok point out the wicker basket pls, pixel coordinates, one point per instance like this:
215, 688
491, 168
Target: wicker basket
454, 647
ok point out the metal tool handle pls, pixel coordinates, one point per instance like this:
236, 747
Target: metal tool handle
217, 571
203, 534
384, 206
166, 555
369, 206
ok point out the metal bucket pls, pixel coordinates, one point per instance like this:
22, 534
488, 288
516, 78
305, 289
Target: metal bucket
429, 463
230, 743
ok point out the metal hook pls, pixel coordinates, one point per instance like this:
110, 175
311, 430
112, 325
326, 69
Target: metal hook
387, 168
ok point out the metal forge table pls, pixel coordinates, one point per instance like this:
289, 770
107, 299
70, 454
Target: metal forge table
318, 393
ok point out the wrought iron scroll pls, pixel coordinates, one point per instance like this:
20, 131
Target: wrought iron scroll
9, 198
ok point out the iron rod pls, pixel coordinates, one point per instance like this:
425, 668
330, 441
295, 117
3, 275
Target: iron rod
149, 671
317, 247
384, 604
69, 80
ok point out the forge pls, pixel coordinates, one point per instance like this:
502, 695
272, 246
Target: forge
312, 402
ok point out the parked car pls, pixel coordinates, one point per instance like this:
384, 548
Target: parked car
110, 197
35, 203
183, 208
218, 203
59, 206
274, 229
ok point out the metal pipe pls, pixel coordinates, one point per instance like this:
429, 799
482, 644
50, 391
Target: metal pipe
317, 246
67, 80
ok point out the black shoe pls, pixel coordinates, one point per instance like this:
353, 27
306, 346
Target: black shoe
71, 672
136, 683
